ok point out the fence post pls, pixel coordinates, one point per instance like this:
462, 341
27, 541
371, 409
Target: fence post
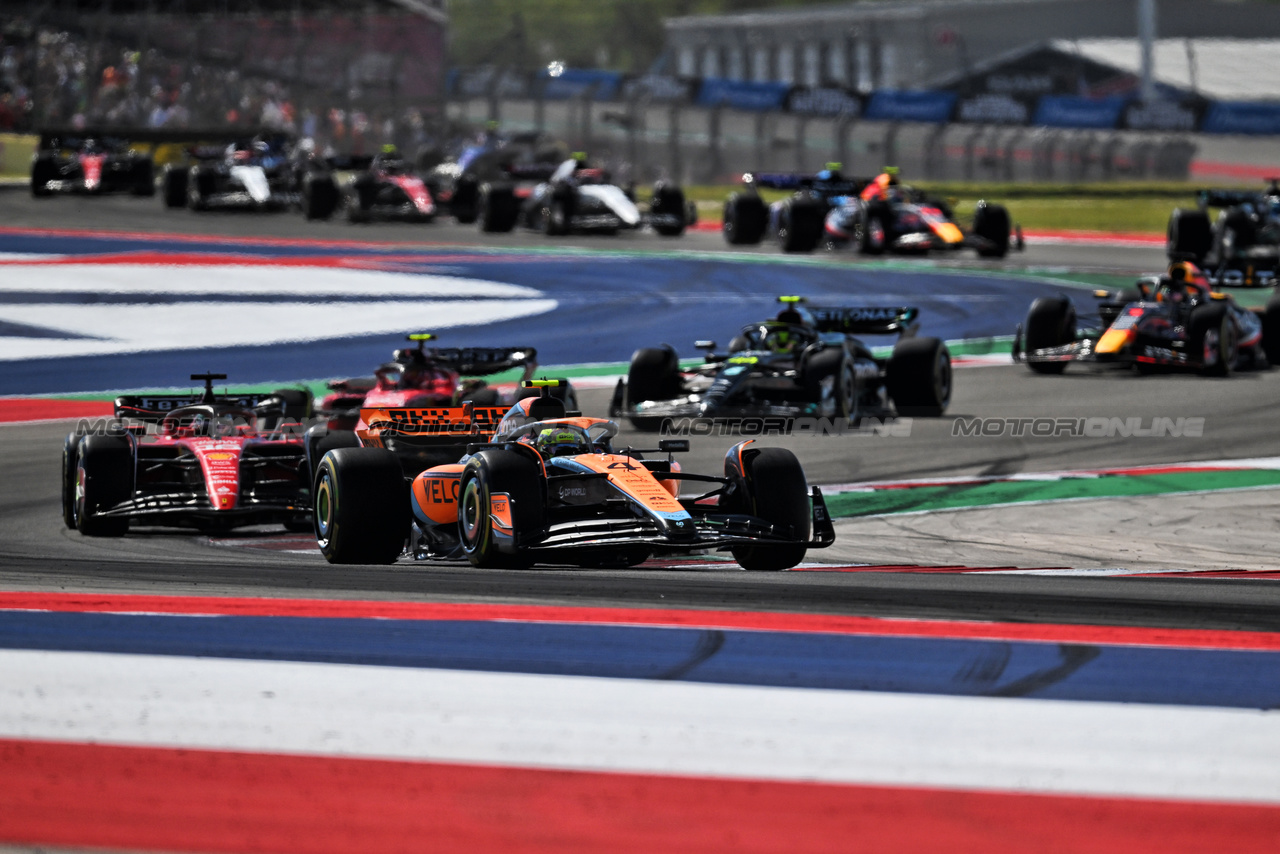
802, 134
764, 135
716, 153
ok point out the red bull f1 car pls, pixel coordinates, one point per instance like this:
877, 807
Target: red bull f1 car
1172, 321
806, 362
867, 215
209, 461
546, 485
82, 162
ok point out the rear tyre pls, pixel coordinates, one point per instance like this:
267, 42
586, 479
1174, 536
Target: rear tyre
654, 374
297, 403
1271, 329
43, 170
772, 487
104, 478
745, 218
1212, 338
319, 196
144, 177
489, 473
1189, 233
361, 506
173, 183
465, 202
555, 218
668, 201
918, 377
799, 225
1051, 322
498, 209
991, 222
873, 238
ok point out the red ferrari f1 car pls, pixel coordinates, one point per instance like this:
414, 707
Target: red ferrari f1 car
208, 461
546, 485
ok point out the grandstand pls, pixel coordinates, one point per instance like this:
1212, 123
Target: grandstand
353, 74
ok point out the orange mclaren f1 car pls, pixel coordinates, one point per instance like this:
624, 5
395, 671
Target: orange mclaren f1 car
547, 486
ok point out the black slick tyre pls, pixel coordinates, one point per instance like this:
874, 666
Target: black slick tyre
1271, 329
465, 202
991, 223
745, 218
144, 177
830, 363
297, 403
873, 234
489, 473
654, 374
772, 488
1212, 339
668, 200
173, 187
918, 377
320, 440
70, 462
104, 479
799, 225
498, 209
1051, 322
43, 170
361, 504
319, 196
1189, 234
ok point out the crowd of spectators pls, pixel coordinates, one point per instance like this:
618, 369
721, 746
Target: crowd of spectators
51, 77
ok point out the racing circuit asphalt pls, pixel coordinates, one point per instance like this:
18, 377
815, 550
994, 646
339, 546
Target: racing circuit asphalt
37, 553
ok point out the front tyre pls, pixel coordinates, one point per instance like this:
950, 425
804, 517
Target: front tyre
361, 506
1051, 322
1212, 337
70, 464
104, 479
772, 488
490, 473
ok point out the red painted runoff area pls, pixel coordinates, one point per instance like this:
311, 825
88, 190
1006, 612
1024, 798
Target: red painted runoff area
162, 799
758, 620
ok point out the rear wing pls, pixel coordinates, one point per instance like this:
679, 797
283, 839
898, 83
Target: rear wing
866, 320
530, 171
1227, 198
483, 361
155, 407
800, 181
443, 422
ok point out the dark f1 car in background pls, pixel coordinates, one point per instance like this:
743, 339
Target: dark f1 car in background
1173, 321
868, 215
1238, 248
430, 377
806, 362
384, 187
208, 461
546, 485
571, 198
86, 161
262, 172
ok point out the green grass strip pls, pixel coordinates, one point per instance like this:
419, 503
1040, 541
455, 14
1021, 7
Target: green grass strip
923, 499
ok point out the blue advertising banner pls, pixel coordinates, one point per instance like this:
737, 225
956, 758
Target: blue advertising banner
889, 105
576, 82
1074, 111
1242, 117
742, 95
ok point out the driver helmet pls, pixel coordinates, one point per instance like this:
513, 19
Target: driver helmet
560, 442
779, 339
1190, 277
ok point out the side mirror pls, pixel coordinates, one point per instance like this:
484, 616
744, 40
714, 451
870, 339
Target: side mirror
704, 344
671, 446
